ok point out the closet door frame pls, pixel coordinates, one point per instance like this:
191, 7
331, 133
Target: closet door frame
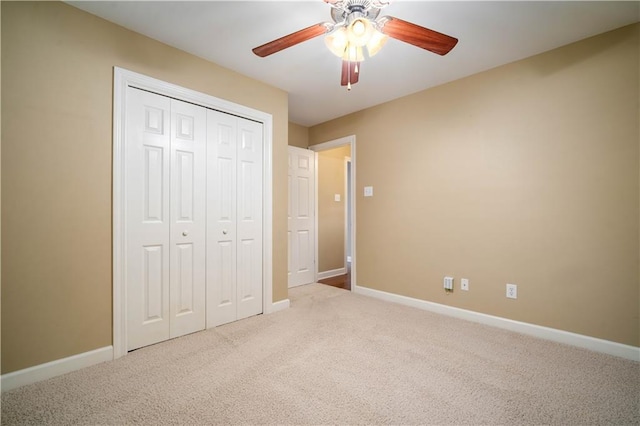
123, 79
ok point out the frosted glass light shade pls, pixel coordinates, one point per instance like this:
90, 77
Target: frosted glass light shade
337, 42
376, 42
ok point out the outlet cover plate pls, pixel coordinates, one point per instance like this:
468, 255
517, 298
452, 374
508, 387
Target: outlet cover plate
512, 291
464, 284
448, 283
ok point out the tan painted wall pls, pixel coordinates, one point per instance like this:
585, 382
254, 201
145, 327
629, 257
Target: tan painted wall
525, 174
57, 69
331, 214
298, 135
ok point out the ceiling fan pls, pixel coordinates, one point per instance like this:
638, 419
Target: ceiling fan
356, 25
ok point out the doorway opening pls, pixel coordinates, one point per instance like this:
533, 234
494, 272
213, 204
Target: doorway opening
335, 212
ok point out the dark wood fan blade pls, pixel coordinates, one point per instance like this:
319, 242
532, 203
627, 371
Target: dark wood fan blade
292, 39
349, 68
418, 36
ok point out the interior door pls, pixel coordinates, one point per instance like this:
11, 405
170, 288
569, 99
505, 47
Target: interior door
221, 218
188, 219
165, 218
249, 221
301, 225
147, 164
234, 224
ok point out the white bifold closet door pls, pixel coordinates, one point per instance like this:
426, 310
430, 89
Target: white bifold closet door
234, 218
165, 186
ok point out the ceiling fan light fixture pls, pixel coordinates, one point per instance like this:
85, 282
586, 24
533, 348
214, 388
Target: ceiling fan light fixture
376, 42
356, 25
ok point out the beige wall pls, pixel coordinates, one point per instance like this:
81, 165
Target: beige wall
331, 213
526, 174
57, 69
298, 135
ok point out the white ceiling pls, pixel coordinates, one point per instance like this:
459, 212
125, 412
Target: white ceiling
490, 34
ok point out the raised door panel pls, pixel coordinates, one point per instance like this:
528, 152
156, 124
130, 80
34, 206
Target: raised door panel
147, 146
153, 174
304, 260
152, 280
188, 218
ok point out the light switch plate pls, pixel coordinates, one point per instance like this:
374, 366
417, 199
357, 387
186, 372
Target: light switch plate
368, 191
336, 197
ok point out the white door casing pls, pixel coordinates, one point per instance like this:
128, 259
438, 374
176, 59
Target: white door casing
351, 141
234, 211
124, 79
301, 211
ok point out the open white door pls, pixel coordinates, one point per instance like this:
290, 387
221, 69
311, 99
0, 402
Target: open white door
301, 210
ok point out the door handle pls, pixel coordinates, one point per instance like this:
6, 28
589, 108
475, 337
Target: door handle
185, 233
224, 232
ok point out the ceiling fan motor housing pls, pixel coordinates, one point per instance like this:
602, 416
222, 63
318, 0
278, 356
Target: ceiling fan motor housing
344, 13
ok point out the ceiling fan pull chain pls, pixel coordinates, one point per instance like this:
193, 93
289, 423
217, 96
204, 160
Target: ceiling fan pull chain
348, 55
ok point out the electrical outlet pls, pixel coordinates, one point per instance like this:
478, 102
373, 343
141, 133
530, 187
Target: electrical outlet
448, 283
464, 284
512, 291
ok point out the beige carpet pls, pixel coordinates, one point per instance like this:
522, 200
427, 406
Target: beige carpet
340, 358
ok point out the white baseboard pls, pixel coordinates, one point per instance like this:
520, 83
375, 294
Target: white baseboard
280, 305
560, 336
332, 273
55, 368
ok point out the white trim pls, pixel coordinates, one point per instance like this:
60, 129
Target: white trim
121, 80
347, 200
555, 335
280, 305
332, 273
55, 368
316, 229
336, 143
347, 140
267, 215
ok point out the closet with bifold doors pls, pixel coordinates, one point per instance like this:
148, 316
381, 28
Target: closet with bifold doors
193, 217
